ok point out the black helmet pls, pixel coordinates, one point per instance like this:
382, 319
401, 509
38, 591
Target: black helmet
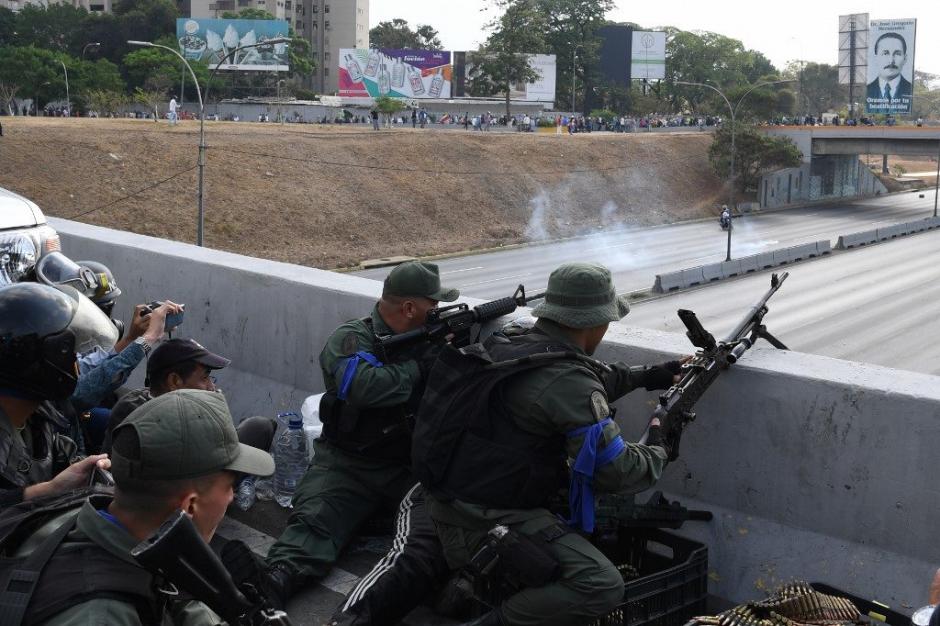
107, 289
37, 343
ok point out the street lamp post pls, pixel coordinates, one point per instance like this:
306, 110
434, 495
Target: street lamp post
574, 65
95, 44
279, 117
200, 230
936, 188
68, 99
733, 111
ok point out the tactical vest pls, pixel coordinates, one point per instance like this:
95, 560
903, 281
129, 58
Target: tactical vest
55, 575
467, 446
382, 433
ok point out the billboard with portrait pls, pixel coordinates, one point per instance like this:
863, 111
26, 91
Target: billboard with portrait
648, 55
409, 74
890, 66
211, 40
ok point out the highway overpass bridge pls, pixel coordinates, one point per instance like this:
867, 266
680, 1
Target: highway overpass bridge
831, 167
854, 140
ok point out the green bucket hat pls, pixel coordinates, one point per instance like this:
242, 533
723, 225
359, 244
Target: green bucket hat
581, 295
183, 434
416, 278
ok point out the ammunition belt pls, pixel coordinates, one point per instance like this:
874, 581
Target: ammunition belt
794, 604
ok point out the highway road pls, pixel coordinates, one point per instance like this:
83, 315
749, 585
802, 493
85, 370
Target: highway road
636, 255
876, 304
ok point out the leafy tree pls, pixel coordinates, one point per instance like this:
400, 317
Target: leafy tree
36, 71
105, 102
7, 26
150, 98
398, 35
7, 93
754, 153
503, 60
55, 27
818, 86
570, 32
158, 69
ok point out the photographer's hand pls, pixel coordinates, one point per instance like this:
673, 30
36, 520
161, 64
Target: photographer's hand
157, 321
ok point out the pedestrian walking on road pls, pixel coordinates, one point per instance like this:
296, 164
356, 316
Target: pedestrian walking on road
171, 111
375, 119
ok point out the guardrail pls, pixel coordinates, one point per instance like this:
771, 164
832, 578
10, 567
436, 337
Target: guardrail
703, 274
885, 233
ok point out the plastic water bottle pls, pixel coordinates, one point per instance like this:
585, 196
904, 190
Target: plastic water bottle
264, 487
245, 493
290, 460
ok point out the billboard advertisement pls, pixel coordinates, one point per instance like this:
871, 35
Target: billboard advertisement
890, 66
542, 89
397, 73
648, 55
210, 40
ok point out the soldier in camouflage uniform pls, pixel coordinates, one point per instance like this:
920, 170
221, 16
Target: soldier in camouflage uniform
556, 409
362, 462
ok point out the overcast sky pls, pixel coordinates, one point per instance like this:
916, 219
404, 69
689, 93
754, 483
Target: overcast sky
795, 29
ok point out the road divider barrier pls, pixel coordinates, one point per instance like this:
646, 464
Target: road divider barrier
703, 274
885, 233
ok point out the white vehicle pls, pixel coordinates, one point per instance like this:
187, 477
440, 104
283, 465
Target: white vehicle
24, 236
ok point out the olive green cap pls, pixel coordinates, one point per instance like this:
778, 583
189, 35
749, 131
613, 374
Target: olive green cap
416, 278
581, 295
183, 434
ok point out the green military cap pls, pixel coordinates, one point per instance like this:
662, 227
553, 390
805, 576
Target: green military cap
416, 278
182, 434
581, 295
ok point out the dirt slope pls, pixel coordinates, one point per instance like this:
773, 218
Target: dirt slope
329, 197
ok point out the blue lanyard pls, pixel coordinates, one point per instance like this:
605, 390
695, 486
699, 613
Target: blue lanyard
581, 490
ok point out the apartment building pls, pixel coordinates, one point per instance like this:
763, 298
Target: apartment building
329, 25
215, 8
97, 6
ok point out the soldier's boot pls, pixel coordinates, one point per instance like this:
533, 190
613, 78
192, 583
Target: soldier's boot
493, 618
280, 584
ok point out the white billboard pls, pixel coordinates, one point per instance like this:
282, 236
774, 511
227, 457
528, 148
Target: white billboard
890, 66
648, 56
541, 89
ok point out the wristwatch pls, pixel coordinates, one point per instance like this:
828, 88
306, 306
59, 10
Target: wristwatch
144, 345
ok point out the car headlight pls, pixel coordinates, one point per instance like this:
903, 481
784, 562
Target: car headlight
17, 255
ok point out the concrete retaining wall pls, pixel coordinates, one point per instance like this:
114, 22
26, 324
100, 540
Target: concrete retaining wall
815, 468
682, 279
826, 178
885, 233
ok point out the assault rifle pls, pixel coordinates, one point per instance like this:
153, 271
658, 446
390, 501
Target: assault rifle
675, 405
615, 511
456, 320
178, 554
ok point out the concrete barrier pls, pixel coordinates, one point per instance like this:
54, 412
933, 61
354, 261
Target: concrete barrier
857, 239
700, 275
795, 454
713, 272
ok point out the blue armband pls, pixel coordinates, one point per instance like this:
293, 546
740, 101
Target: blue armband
581, 490
352, 363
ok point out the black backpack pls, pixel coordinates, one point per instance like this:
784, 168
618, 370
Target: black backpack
47, 583
465, 447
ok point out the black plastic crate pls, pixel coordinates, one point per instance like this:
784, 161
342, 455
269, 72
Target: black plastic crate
672, 587
874, 611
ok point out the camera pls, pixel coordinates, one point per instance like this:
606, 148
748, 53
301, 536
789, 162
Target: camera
172, 320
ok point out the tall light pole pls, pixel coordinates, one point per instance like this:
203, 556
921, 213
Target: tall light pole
68, 100
95, 44
201, 163
936, 188
733, 111
574, 61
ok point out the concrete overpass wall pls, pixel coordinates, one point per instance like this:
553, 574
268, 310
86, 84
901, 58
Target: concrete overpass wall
815, 468
827, 177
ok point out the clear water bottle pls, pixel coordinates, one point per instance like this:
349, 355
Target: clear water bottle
245, 493
290, 460
264, 487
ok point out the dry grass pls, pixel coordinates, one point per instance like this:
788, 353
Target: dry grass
330, 196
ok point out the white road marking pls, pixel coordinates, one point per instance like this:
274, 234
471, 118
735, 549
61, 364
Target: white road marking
466, 269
